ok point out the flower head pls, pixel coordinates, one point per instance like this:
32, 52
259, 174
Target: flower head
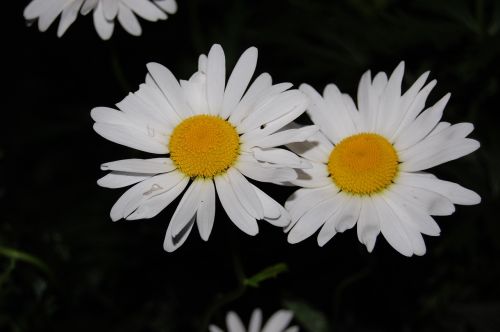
369, 162
105, 13
278, 322
213, 136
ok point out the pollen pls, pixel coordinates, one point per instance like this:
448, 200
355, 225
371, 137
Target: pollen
363, 164
204, 146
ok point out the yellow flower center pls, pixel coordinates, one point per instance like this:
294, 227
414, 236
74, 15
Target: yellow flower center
363, 164
204, 146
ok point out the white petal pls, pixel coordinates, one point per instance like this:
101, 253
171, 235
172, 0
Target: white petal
278, 321
261, 83
320, 114
131, 137
143, 191
258, 172
368, 226
409, 211
280, 157
238, 81
389, 107
255, 321
88, 6
213, 328
433, 203
128, 21
365, 99
172, 243
206, 211
314, 177
344, 124
145, 9
304, 200
391, 227
317, 148
313, 219
155, 103
274, 213
422, 125
286, 102
245, 193
195, 92
170, 88
234, 323
147, 166
341, 220
37, 7
454, 192
284, 137
110, 9
414, 109
216, 78
233, 207
170, 6
68, 16
121, 179
151, 207
50, 13
452, 151
103, 27
187, 207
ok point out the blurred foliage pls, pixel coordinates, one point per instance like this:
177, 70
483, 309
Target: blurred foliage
116, 277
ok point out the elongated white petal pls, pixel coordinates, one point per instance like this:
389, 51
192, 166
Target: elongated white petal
238, 81
368, 226
265, 174
121, 179
433, 203
145, 9
213, 328
170, 88
216, 79
280, 157
235, 211
389, 107
317, 148
344, 123
110, 9
454, 192
261, 83
68, 16
128, 20
172, 243
187, 207
344, 218
313, 177
234, 323
278, 321
206, 211
170, 6
423, 125
147, 166
143, 191
103, 27
313, 219
413, 213
304, 200
274, 213
255, 321
284, 137
245, 193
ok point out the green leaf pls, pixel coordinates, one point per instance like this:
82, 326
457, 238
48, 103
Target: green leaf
309, 318
18, 255
267, 273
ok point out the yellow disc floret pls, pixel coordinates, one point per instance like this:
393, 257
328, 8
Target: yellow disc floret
363, 164
204, 146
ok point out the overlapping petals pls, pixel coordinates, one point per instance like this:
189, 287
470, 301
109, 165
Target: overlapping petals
404, 210
105, 13
278, 322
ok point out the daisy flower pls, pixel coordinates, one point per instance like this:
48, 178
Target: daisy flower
369, 164
213, 136
277, 323
105, 13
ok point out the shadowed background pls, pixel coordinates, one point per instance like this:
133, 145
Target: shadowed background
64, 266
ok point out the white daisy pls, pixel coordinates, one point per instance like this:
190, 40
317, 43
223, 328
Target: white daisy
277, 323
214, 134
368, 164
105, 13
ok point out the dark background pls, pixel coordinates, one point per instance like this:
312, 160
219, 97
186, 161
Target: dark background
64, 266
